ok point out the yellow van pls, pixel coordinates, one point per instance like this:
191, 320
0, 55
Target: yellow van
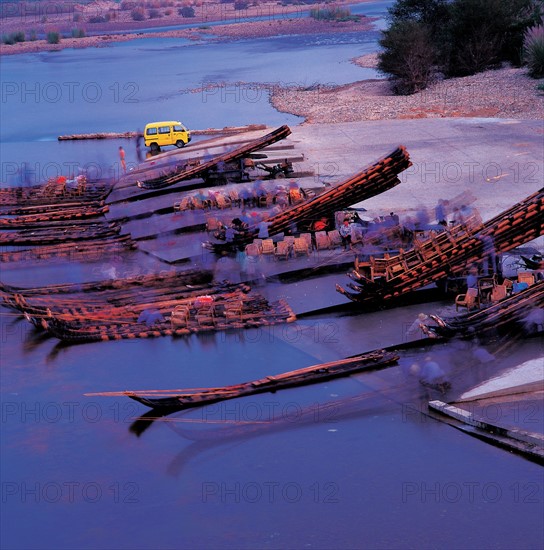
171, 132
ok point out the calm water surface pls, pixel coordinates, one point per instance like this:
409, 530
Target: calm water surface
273, 471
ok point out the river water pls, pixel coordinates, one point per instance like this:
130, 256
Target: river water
273, 471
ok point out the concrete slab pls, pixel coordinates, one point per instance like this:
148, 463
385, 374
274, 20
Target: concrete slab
529, 376
501, 161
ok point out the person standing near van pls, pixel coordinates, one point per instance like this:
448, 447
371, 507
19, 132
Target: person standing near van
122, 159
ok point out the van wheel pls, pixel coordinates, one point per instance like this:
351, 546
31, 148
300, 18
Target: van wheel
155, 148
180, 143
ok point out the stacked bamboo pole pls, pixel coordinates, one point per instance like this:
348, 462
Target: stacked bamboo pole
449, 254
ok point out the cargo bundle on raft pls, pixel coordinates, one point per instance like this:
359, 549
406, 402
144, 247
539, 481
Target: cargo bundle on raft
446, 254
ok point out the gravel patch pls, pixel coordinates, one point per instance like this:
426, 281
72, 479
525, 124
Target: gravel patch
502, 93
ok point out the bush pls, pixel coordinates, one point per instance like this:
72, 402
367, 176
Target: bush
33, 36
241, 5
78, 33
186, 11
457, 37
154, 13
138, 14
53, 37
76, 18
407, 55
334, 13
99, 18
533, 51
13, 37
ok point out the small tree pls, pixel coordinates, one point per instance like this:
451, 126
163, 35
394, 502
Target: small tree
533, 51
407, 55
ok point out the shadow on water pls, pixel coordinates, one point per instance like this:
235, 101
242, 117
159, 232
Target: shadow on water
464, 362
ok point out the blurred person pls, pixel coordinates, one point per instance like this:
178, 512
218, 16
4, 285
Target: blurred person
122, 159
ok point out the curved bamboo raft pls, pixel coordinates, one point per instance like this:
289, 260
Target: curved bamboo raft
510, 313
446, 254
373, 180
171, 317
175, 400
201, 168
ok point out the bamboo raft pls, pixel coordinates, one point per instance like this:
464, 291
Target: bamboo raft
445, 254
115, 286
56, 208
507, 314
132, 135
51, 235
54, 217
376, 179
201, 168
51, 194
175, 400
86, 251
178, 317
115, 304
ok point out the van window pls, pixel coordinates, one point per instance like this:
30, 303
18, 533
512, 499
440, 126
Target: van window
151, 131
178, 128
164, 129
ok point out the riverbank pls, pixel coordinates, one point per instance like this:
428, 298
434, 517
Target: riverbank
502, 93
275, 20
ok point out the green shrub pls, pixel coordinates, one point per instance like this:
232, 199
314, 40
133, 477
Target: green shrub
186, 11
533, 51
333, 13
13, 38
78, 33
53, 37
33, 36
154, 13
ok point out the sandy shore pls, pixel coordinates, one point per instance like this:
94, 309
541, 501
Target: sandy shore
503, 93
233, 31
